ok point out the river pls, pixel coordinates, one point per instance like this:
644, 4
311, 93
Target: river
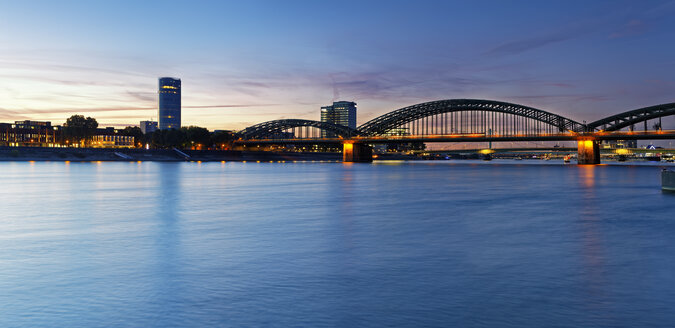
395, 244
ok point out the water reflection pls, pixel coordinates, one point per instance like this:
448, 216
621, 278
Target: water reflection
168, 196
411, 244
167, 245
594, 273
587, 175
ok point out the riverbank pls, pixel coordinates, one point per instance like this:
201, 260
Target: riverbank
158, 155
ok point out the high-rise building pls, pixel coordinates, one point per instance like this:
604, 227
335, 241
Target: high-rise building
169, 103
340, 112
148, 126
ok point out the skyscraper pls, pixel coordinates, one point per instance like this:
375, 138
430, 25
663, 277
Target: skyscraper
169, 103
341, 112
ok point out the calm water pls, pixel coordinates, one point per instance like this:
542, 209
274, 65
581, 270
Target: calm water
454, 244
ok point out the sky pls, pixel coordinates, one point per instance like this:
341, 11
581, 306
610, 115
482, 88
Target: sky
245, 62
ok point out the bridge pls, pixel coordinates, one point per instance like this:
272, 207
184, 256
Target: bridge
464, 120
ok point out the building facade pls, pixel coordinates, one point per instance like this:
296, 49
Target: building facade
112, 141
148, 126
169, 103
111, 138
43, 134
340, 112
29, 134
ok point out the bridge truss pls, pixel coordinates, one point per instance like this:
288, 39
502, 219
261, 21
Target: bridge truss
468, 116
631, 118
459, 120
296, 129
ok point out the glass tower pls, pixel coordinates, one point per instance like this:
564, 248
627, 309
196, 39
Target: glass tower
169, 103
341, 112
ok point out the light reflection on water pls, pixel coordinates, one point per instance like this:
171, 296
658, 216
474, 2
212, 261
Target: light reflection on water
311, 244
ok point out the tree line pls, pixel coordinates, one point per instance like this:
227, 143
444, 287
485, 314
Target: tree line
79, 130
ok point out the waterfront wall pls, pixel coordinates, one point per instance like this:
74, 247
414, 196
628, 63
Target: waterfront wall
167, 155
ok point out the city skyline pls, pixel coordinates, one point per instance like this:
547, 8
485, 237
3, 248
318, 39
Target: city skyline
246, 63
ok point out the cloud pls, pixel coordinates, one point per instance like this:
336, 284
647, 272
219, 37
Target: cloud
76, 110
559, 84
572, 31
144, 96
564, 97
230, 106
632, 28
523, 45
41, 66
111, 109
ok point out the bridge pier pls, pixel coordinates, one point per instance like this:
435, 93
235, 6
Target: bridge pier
357, 152
588, 152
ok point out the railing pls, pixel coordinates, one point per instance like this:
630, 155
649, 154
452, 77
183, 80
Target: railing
461, 137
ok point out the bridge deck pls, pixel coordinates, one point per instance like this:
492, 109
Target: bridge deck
477, 137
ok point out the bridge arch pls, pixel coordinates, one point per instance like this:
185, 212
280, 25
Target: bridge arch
629, 118
270, 129
397, 118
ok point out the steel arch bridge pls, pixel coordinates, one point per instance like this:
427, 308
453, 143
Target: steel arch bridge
489, 113
632, 117
461, 120
453, 118
275, 129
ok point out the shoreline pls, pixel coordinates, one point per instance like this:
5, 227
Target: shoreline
43, 154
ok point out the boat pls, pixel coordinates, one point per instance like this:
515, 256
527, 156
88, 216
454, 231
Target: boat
668, 180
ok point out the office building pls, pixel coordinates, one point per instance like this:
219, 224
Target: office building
340, 112
169, 103
29, 134
148, 126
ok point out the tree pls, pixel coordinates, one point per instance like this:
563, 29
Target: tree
222, 139
135, 132
168, 138
79, 129
197, 137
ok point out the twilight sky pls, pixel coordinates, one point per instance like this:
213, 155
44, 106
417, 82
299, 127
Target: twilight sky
244, 62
